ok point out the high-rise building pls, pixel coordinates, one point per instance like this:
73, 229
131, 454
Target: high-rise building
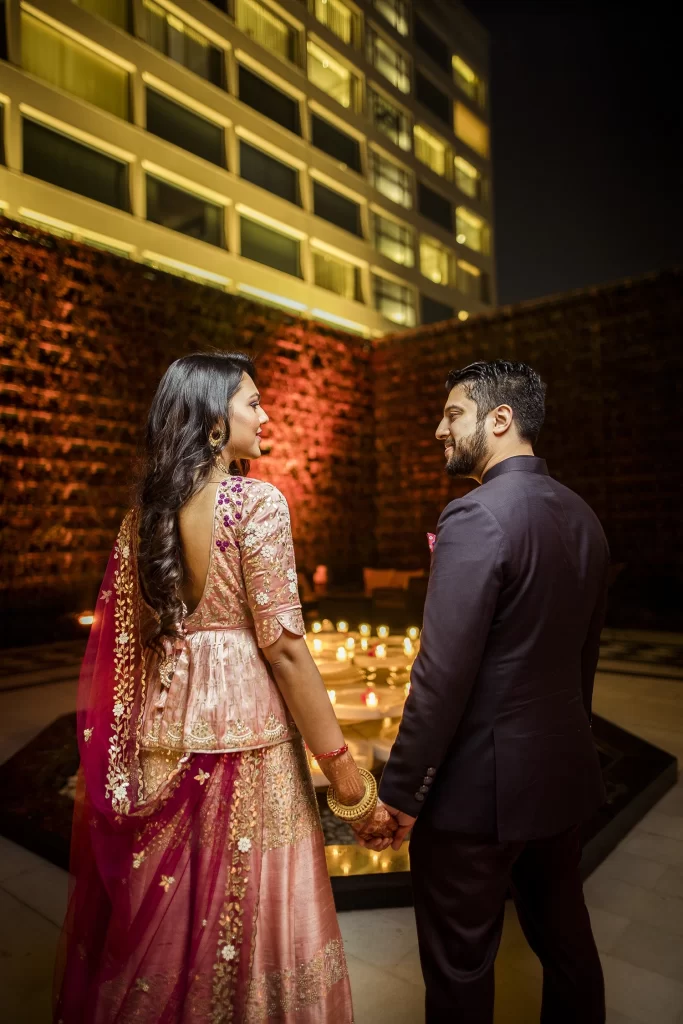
328, 156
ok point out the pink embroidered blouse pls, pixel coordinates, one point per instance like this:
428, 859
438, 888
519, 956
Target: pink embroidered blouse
218, 693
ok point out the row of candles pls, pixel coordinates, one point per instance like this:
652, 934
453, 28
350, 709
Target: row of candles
365, 630
346, 651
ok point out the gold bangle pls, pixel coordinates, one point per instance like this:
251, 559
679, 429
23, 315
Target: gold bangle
366, 804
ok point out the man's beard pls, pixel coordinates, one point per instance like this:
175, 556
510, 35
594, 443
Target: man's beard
468, 453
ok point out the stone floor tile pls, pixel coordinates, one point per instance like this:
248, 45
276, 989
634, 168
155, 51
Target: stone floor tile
382, 998
672, 802
647, 997
631, 901
377, 939
14, 859
671, 883
647, 946
661, 824
43, 889
409, 968
607, 927
28, 944
659, 848
518, 995
629, 868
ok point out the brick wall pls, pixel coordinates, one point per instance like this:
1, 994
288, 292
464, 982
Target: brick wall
85, 336
613, 361
84, 339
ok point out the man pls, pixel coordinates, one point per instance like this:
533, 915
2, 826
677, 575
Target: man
495, 752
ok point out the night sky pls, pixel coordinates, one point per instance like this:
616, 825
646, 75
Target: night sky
585, 117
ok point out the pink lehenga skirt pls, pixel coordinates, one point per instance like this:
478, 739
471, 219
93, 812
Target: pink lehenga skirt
225, 913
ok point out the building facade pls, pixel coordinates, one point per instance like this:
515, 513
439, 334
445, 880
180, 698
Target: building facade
327, 156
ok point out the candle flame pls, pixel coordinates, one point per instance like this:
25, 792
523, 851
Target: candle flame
342, 654
364, 629
316, 627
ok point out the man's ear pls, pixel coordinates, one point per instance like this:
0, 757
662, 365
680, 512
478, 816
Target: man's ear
502, 419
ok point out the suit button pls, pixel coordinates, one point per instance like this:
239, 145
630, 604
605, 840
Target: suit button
423, 789
428, 780
431, 771
419, 796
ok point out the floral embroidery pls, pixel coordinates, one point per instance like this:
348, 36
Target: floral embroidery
105, 595
244, 844
142, 985
138, 858
262, 598
118, 709
229, 952
278, 993
202, 776
166, 882
291, 575
87, 733
290, 809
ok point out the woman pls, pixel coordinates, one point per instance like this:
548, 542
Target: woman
201, 890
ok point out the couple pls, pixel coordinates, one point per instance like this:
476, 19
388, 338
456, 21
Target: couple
200, 889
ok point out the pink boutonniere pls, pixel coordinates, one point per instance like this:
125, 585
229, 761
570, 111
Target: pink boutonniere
431, 540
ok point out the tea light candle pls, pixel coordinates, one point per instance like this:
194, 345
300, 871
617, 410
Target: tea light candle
342, 654
317, 645
383, 632
316, 627
350, 643
333, 696
413, 632
381, 651
342, 626
407, 646
365, 629
370, 699
363, 643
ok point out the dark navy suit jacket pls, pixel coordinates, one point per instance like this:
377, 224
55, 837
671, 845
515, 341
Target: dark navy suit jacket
495, 738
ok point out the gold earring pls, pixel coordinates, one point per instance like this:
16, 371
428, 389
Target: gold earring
217, 439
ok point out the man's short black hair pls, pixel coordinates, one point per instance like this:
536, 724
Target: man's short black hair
504, 383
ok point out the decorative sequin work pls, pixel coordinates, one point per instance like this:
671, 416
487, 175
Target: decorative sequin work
290, 811
281, 992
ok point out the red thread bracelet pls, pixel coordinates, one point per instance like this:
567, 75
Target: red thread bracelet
332, 753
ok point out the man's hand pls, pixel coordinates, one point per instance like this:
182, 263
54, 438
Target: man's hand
376, 830
405, 823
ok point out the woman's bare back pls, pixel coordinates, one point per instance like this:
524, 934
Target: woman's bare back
195, 524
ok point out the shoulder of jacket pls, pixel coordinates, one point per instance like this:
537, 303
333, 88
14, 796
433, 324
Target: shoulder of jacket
470, 506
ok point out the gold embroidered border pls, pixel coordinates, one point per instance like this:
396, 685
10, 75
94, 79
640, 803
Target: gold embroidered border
244, 836
289, 991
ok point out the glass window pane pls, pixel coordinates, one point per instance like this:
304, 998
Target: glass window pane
270, 247
471, 230
175, 123
335, 142
435, 261
336, 208
168, 34
434, 206
54, 57
433, 98
271, 174
332, 77
265, 28
388, 61
467, 80
183, 211
336, 275
392, 181
264, 97
116, 11
468, 178
62, 161
393, 240
394, 301
471, 130
433, 312
430, 150
431, 43
390, 120
395, 12
337, 16
472, 281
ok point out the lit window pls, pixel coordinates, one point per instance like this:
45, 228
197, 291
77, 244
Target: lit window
394, 301
393, 240
336, 275
184, 211
332, 77
471, 130
395, 12
435, 260
390, 120
63, 161
471, 281
336, 208
392, 181
61, 61
265, 28
469, 81
256, 92
185, 128
469, 179
339, 18
430, 150
270, 247
116, 11
168, 34
388, 61
471, 230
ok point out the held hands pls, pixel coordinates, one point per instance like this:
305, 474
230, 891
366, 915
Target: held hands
404, 823
377, 830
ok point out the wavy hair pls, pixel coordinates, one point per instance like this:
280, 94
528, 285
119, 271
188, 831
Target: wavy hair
193, 396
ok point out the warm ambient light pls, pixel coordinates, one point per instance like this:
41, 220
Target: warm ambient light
407, 688
363, 643
350, 643
316, 627
407, 646
342, 626
332, 694
317, 645
463, 314
461, 239
365, 629
381, 651
315, 767
383, 631
413, 632
86, 619
342, 654
370, 699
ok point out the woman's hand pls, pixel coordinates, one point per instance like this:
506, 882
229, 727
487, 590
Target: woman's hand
377, 829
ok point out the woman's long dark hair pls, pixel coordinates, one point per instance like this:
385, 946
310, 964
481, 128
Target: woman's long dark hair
193, 396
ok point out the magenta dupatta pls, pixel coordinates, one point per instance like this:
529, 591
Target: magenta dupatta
164, 862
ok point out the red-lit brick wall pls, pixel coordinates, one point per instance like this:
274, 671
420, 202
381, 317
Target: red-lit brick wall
613, 361
84, 339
